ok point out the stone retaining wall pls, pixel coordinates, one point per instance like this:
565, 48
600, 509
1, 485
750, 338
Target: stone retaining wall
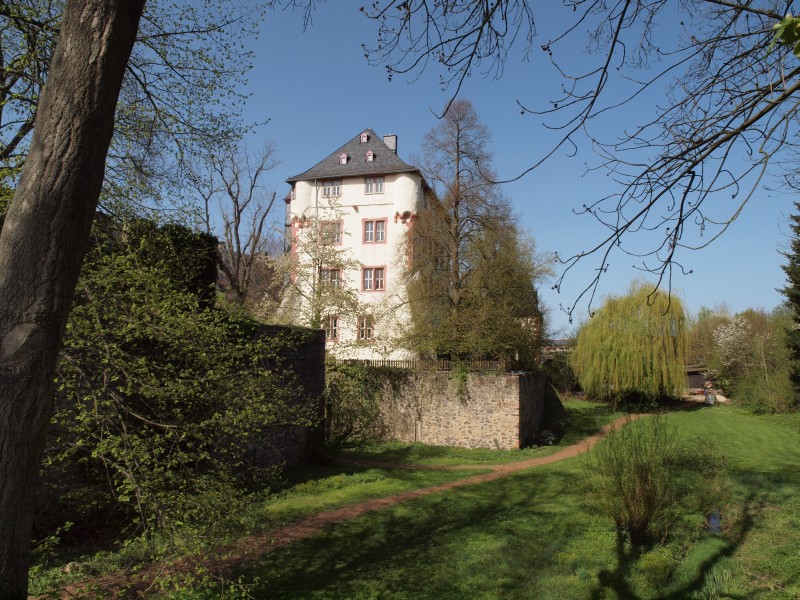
475, 410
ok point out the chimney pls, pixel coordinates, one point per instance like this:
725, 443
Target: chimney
391, 141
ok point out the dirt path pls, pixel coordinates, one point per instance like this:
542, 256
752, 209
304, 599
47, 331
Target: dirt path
247, 550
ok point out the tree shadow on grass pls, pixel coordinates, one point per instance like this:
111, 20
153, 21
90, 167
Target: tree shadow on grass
627, 557
458, 544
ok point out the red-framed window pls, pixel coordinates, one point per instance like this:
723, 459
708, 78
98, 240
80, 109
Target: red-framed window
373, 279
366, 328
331, 327
331, 277
374, 231
330, 232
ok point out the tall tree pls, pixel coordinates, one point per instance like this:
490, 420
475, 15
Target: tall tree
181, 94
727, 103
42, 244
792, 293
233, 179
473, 276
634, 347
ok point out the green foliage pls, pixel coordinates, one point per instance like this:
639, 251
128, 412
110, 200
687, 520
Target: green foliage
560, 373
633, 348
750, 359
787, 33
472, 285
530, 535
629, 480
352, 403
182, 91
644, 478
165, 402
792, 293
188, 257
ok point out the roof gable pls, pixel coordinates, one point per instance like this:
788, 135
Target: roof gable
384, 160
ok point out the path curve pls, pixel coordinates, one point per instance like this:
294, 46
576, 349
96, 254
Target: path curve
248, 550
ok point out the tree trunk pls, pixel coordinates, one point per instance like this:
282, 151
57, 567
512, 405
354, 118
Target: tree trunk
42, 245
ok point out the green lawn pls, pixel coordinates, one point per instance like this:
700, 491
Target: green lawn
532, 536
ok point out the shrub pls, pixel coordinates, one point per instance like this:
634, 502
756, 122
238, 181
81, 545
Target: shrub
352, 404
630, 479
646, 479
162, 405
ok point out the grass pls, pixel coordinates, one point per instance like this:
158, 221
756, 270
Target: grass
532, 534
308, 491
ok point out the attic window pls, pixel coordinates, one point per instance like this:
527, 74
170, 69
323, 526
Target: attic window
364, 137
343, 159
370, 156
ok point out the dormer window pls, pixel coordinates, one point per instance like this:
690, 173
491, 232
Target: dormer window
364, 137
370, 156
343, 158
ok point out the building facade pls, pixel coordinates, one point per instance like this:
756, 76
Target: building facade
349, 221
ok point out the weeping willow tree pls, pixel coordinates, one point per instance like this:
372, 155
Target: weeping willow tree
633, 348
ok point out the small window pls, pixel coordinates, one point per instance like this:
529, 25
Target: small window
343, 159
364, 137
373, 279
375, 232
373, 185
331, 277
370, 156
331, 327
332, 188
366, 328
330, 232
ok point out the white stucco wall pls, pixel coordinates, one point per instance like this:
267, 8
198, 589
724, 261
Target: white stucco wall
402, 193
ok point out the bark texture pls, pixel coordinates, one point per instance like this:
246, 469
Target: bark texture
42, 245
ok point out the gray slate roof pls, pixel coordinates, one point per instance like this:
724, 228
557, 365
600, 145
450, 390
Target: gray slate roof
385, 161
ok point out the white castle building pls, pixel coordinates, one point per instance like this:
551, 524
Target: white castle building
350, 218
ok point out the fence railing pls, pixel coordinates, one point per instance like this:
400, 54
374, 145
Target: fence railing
429, 365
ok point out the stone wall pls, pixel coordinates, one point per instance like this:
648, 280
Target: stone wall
302, 357
476, 410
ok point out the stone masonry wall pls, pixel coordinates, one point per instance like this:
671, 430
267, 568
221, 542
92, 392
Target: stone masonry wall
304, 355
477, 410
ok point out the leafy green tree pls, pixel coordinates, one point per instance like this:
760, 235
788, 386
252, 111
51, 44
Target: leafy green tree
751, 359
472, 282
792, 293
633, 348
86, 54
163, 399
181, 95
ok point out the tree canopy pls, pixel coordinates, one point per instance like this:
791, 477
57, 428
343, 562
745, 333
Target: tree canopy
182, 92
633, 348
472, 284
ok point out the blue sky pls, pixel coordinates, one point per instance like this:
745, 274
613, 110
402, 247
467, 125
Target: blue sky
317, 91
